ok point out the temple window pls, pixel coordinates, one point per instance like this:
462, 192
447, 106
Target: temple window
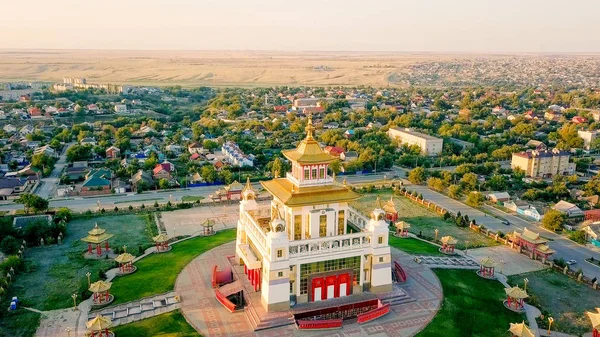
314, 173
280, 274
380, 240
322, 173
322, 226
279, 253
306, 174
298, 227
341, 223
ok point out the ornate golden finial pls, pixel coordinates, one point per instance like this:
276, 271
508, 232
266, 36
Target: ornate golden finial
124, 249
309, 127
248, 184
276, 216
95, 225
344, 182
378, 203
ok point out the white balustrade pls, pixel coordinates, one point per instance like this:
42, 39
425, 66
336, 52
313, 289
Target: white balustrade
330, 244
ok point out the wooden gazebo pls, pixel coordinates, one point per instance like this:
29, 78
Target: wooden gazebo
448, 244
391, 214
520, 330
125, 262
402, 228
515, 296
162, 242
100, 290
208, 227
98, 327
595, 320
486, 267
98, 237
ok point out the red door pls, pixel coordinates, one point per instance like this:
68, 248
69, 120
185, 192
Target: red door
344, 285
317, 289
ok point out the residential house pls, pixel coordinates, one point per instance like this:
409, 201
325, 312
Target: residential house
120, 108
9, 128
174, 149
536, 145
592, 231
26, 130
531, 212
498, 197
195, 147
163, 171
333, 150
88, 141
141, 177
349, 156
35, 112
349, 134
236, 156
429, 145
569, 209
143, 131
12, 186
46, 150
579, 120
463, 144
588, 137
113, 152
543, 164
97, 182
552, 115
516, 205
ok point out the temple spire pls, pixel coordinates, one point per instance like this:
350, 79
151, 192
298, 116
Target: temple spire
309, 127
248, 184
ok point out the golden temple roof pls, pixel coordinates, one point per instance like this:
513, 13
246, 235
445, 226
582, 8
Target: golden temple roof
488, 262
234, 186
530, 236
448, 240
594, 318
100, 286
284, 190
308, 151
124, 258
389, 206
99, 323
162, 237
402, 225
545, 249
97, 235
516, 292
520, 330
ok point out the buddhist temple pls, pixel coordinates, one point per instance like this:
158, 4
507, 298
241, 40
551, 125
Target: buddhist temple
298, 249
98, 237
595, 320
515, 297
232, 191
520, 330
448, 244
98, 327
100, 289
162, 242
402, 228
532, 242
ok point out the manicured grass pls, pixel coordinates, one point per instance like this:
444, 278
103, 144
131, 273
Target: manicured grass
423, 220
52, 273
563, 298
170, 324
157, 273
414, 246
471, 307
23, 323
191, 198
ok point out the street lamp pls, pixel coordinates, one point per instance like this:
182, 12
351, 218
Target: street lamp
88, 274
436, 231
525, 280
98, 203
550, 321
74, 297
467, 247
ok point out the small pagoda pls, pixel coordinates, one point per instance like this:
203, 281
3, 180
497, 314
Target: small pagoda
162, 243
486, 268
515, 299
448, 244
98, 237
520, 330
100, 291
595, 320
208, 227
98, 327
402, 229
125, 262
391, 214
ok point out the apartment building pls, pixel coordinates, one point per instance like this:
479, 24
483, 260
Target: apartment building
429, 145
588, 137
543, 164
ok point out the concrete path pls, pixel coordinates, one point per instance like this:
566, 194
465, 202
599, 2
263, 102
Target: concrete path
206, 315
530, 311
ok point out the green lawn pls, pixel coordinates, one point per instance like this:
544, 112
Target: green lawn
157, 273
21, 323
472, 307
191, 198
53, 273
170, 324
563, 298
423, 220
414, 246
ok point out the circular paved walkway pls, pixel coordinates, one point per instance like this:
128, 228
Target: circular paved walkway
206, 315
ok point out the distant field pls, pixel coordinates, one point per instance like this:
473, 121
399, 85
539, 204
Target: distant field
214, 68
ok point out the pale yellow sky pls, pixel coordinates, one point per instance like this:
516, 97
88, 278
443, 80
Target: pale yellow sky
349, 25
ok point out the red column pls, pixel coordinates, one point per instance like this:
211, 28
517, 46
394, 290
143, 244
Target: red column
98, 249
256, 278
106, 245
245, 269
89, 248
250, 274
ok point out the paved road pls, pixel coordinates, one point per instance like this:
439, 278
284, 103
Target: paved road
48, 184
148, 198
564, 247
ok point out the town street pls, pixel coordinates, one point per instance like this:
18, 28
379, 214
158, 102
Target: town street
48, 185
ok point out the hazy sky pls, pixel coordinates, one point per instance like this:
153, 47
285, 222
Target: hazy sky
349, 25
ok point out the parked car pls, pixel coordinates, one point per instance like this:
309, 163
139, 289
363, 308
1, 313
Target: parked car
506, 223
571, 262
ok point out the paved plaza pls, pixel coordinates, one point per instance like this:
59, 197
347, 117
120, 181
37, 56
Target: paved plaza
189, 221
508, 261
205, 314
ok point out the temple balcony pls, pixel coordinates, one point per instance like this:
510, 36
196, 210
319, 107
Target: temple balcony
311, 182
330, 244
356, 218
257, 227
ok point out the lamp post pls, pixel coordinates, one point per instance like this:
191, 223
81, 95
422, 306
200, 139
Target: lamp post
98, 203
550, 321
74, 297
525, 281
502, 262
124, 249
467, 247
436, 231
88, 274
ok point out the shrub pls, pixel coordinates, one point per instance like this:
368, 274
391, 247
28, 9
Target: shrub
116, 209
578, 236
10, 245
560, 262
103, 211
143, 206
156, 204
130, 208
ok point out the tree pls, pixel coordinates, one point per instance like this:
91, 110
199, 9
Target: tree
578, 236
469, 181
163, 184
10, 245
210, 144
553, 220
454, 191
335, 166
276, 167
208, 173
475, 199
417, 175
32, 201
63, 214
226, 176
436, 184
497, 182
78, 152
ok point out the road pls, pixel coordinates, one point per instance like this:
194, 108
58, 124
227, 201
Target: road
564, 247
48, 185
109, 202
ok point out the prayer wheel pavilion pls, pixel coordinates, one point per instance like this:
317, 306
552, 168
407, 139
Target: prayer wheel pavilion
98, 237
